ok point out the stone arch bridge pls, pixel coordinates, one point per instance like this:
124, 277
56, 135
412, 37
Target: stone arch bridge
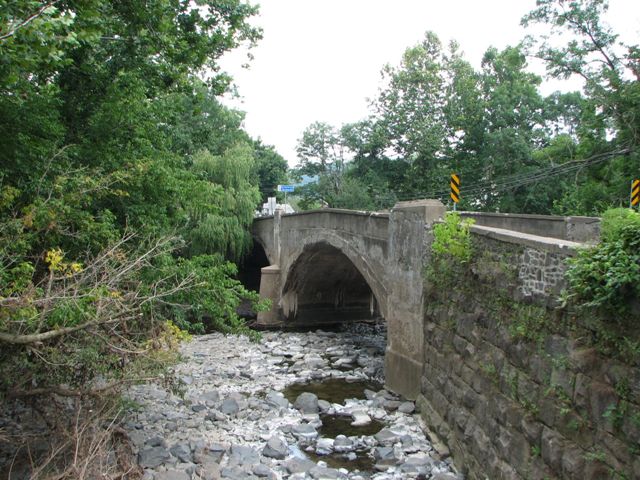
333, 265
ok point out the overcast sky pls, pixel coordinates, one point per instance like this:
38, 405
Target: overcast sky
320, 60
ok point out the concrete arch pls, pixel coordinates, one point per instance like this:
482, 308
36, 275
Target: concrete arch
372, 274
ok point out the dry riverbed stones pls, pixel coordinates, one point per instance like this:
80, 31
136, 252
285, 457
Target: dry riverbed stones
234, 422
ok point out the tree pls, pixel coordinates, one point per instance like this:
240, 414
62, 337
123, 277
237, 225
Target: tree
271, 169
513, 124
410, 109
320, 149
610, 119
125, 189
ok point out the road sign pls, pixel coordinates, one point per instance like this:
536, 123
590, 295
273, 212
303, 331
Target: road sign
286, 188
455, 188
635, 192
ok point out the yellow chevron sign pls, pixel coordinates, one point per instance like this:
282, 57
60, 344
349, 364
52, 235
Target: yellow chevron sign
635, 192
455, 188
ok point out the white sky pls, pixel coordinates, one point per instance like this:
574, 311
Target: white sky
320, 60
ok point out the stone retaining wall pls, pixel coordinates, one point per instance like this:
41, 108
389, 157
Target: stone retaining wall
509, 384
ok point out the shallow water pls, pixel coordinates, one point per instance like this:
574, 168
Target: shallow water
333, 390
363, 462
334, 425
337, 390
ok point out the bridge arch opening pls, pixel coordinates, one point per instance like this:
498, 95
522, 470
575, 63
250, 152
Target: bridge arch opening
324, 286
251, 265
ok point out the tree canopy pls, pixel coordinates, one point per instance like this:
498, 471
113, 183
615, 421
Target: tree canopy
515, 149
126, 188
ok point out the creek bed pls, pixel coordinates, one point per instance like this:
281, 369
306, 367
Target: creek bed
237, 418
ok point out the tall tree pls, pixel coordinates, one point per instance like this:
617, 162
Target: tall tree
271, 169
610, 119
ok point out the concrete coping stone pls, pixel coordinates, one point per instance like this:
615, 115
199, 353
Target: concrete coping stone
361, 213
549, 244
343, 211
553, 218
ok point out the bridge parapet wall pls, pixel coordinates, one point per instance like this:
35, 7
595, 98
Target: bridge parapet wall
576, 229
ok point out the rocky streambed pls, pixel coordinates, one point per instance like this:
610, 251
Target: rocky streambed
293, 406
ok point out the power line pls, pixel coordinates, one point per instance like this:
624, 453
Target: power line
518, 180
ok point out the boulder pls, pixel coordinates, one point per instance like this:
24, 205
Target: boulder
276, 448
307, 403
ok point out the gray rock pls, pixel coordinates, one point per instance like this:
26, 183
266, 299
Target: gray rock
299, 465
391, 405
304, 431
385, 456
360, 419
324, 473
155, 442
198, 407
230, 406
313, 361
240, 398
277, 399
417, 465
276, 448
407, 407
261, 470
444, 476
324, 446
343, 444
234, 473
208, 472
243, 455
306, 403
208, 455
172, 475
153, 457
386, 437
323, 405
215, 416
171, 426
210, 396
182, 452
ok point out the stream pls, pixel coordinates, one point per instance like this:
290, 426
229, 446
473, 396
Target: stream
296, 405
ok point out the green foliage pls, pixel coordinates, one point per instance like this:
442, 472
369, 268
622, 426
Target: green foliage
271, 168
607, 276
452, 238
126, 187
210, 301
616, 221
604, 280
528, 322
514, 149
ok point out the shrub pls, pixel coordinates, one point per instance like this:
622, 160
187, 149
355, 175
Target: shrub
607, 276
453, 238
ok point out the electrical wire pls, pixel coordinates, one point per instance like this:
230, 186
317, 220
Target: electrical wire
511, 182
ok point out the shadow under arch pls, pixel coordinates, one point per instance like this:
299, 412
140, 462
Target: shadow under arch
327, 282
249, 269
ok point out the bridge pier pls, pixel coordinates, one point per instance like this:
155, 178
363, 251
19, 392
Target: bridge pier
270, 289
410, 238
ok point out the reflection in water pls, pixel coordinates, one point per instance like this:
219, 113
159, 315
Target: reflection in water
337, 390
334, 390
363, 461
334, 425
